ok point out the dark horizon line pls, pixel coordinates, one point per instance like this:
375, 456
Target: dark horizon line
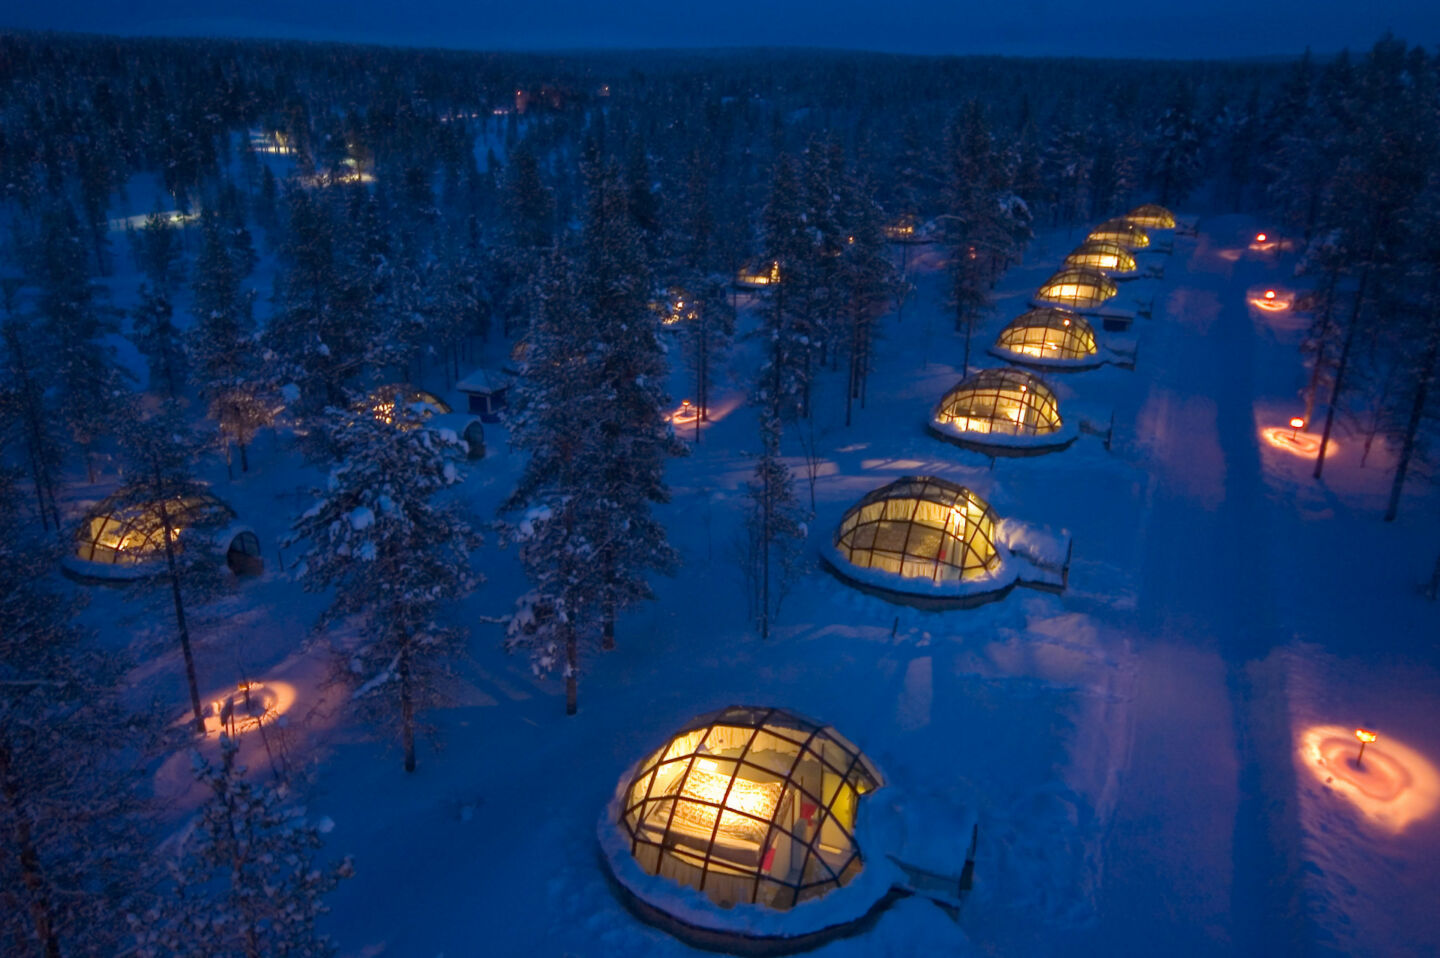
712, 50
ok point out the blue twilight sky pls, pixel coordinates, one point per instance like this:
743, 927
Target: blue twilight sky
1148, 28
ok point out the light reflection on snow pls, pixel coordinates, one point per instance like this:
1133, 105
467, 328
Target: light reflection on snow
248, 706
1306, 445
1273, 300
1395, 785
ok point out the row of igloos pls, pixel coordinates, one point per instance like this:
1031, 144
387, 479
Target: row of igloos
927, 541
1013, 411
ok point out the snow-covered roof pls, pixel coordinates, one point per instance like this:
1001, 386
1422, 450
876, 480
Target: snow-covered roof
483, 381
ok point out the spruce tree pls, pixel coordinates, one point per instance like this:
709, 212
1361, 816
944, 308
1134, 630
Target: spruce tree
69, 775
246, 884
633, 440
156, 336
394, 557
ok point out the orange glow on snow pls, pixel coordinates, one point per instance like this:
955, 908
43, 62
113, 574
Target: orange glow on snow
686, 412
1273, 300
1306, 445
1393, 786
268, 701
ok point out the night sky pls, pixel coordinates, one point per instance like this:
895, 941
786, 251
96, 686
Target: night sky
1127, 28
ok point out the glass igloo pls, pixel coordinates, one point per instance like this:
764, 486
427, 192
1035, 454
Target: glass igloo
404, 405
749, 805
1109, 257
1077, 287
1151, 216
1049, 337
920, 527
1120, 232
121, 538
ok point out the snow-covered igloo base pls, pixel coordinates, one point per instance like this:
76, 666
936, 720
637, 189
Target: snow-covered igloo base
1000, 444
753, 929
1029, 556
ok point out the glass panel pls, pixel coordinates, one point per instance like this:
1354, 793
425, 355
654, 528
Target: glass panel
684, 744
890, 536
648, 856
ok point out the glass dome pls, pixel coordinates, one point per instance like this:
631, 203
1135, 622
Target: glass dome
404, 405
750, 805
920, 527
1120, 232
1077, 287
120, 531
1007, 402
1151, 216
1110, 257
1048, 334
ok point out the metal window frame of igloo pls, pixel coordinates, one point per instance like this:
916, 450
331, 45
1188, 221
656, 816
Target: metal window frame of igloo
122, 539
1077, 287
1121, 232
1002, 412
1151, 216
1110, 258
418, 405
689, 874
1068, 337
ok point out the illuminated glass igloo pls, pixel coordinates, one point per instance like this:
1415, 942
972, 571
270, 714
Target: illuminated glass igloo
404, 405
1051, 338
1120, 232
121, 538
1077, 287
1151, 216
740, 817
1002, 412
935, 544
1109, 257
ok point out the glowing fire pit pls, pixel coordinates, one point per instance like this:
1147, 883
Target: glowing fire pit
1273, 300
1306, 445
1264, 243
249, 706
686, 412
1392, 785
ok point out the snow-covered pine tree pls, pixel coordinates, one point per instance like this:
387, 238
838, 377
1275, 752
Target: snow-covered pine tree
394, 557
157, 337
89, 379
246, 884
30, 413
157, 252
785, 315
776, 526
550, 420
1380, 178
69, 768
326, 329
632, 439
223, 349
161, 451
1175, 161
866, 279
977, 228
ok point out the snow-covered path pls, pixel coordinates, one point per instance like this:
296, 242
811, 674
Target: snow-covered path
1216, 846
1193, 856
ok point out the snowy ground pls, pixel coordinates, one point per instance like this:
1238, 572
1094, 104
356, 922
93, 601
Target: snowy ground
1133, 749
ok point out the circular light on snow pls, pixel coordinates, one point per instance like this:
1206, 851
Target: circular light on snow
1393, 786
248, 706
1306, 445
